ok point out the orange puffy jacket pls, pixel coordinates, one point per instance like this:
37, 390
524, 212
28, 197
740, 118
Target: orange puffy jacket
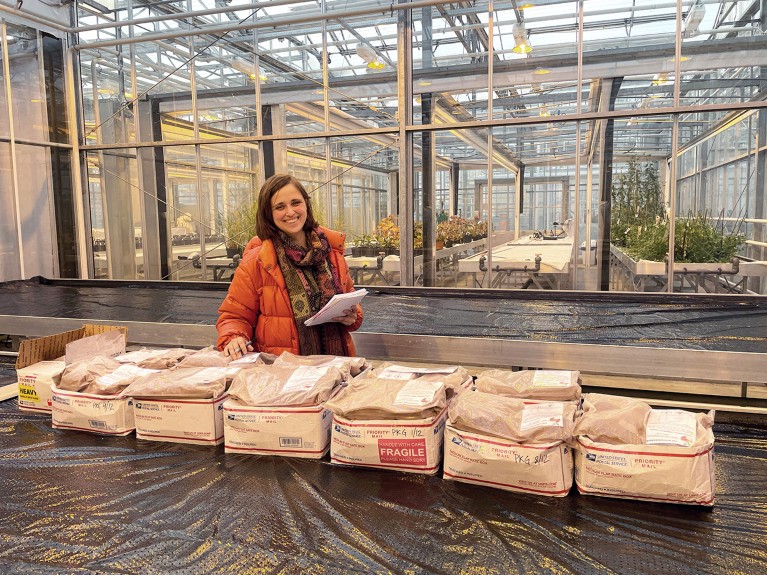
258, 298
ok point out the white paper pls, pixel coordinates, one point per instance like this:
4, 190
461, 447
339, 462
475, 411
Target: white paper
125, 372
399, 375
337, 362
391, 370
552, 378
209, 374
140, 355
336, 307
250, 357
417, 393
304, 378
542, 414
671, 427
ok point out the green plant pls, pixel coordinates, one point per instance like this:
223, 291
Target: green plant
240, 225
418, 235
637, 202
640, 227
696, 239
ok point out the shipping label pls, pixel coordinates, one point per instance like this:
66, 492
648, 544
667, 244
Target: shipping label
305, 377
541, 415
417, 393
140, 355
671, 427
551, 378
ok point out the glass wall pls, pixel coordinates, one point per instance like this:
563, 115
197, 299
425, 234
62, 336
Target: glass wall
586, 133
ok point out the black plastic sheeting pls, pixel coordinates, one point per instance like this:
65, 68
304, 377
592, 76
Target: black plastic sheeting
690, 321
79, 503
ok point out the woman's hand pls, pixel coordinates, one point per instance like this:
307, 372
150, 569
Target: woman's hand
237, 347
349, 317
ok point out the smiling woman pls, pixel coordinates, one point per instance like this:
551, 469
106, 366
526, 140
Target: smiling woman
289, 271
289, 210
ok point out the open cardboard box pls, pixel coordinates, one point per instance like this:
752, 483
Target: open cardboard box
34, 386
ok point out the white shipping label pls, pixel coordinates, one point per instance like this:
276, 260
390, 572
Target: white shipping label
552, 378
140, 355
304, 377
250, 357
400, 375
417, 393
210, 374
337, 362
542, 414
416, 370
125, 372
671, 427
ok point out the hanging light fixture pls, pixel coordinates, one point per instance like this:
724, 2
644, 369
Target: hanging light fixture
661, 79
370, 57
247, 68
693, 19
522, 44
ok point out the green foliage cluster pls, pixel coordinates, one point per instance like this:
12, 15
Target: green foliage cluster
240, 225
640, 227
695, 240
637, 203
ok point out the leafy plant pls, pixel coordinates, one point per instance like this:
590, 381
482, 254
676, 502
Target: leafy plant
696, 239
240, 225
637, 202
640, 227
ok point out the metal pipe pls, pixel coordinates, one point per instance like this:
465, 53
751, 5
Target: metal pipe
187, 14
263, 23
672, 186
488, 279
32, 18
77, 179
12, 133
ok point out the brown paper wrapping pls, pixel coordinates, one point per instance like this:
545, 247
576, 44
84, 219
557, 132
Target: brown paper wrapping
181, 382
81, 376
348, 366
374, 398
266, 386
500, 416
522, 384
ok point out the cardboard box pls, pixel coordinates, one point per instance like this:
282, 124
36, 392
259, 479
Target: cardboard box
665, 473
35, 386
197, 421
541, 469
412, 446
102, 414
291, 431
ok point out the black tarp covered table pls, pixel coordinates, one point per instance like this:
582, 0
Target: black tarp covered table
79, 503
685, 321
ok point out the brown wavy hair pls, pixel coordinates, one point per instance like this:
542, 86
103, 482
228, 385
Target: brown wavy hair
265, 226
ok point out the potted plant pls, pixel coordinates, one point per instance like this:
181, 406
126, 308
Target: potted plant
441, 235
418, 239
387, 235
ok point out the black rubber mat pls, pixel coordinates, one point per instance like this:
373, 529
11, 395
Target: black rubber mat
79, 503
690, 321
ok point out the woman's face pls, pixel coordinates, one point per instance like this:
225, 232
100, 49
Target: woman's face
289, 212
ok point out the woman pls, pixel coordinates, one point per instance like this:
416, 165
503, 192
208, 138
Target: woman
288, 272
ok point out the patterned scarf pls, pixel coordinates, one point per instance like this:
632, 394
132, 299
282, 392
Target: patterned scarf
311, 282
